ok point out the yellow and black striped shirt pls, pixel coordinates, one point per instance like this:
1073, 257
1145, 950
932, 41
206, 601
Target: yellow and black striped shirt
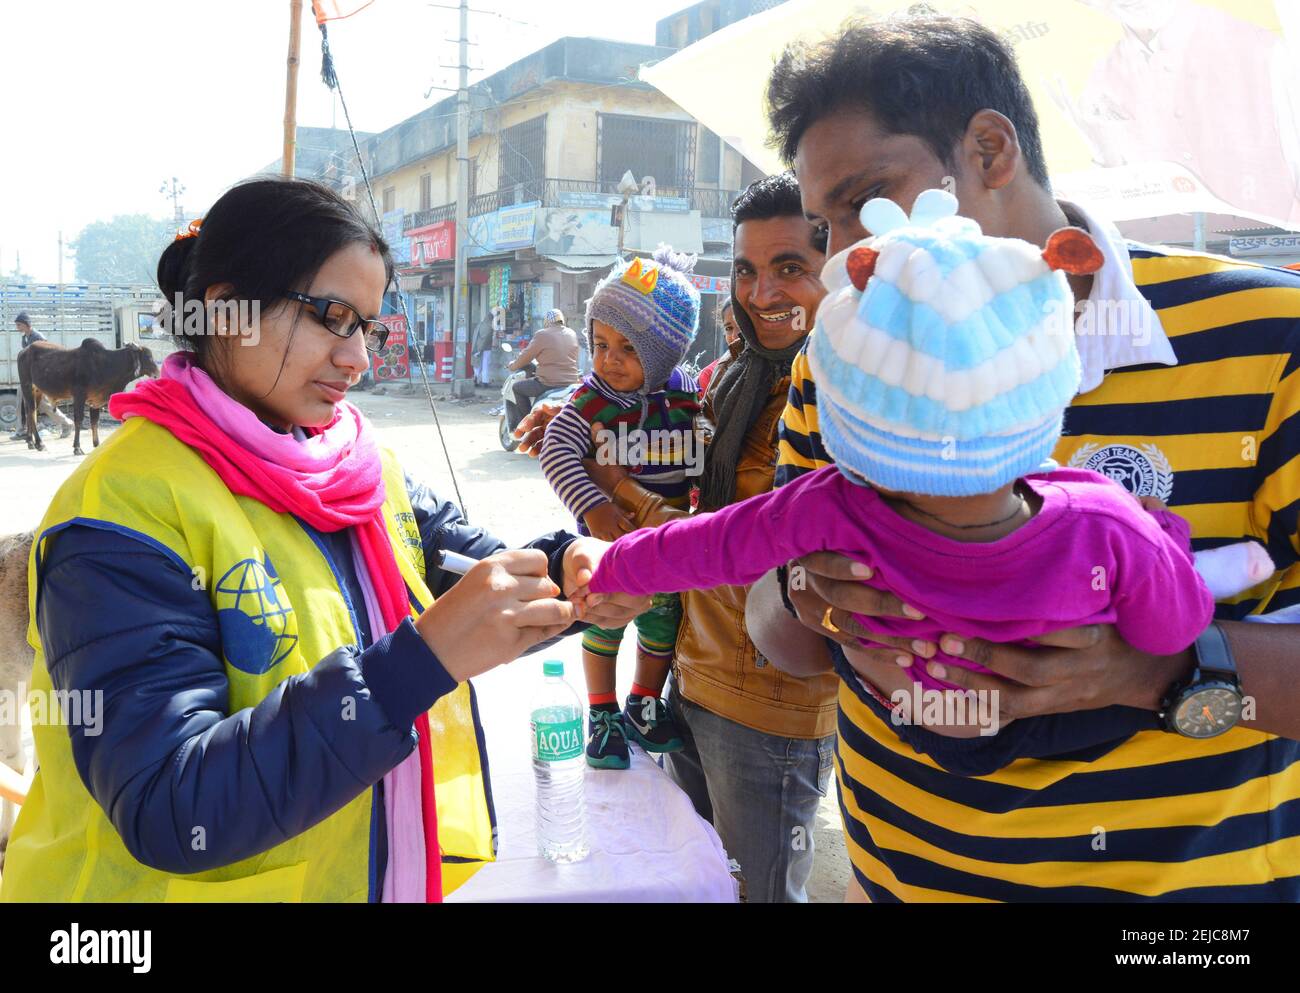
1124, 812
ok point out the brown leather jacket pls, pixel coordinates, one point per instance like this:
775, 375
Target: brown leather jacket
716, 665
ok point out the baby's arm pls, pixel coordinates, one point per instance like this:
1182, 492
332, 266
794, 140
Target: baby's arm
736, 545
1162, 603
567, 441
1228, 569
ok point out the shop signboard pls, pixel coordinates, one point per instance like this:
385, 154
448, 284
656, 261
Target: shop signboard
432, 243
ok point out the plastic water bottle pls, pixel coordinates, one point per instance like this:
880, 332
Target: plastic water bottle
558, 767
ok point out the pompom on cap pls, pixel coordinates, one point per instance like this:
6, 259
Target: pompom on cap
682, 262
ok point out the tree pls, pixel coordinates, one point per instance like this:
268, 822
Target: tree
123, 250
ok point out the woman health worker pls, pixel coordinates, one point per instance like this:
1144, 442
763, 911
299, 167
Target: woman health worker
247, 588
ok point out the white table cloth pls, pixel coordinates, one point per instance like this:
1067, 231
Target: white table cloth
647, 843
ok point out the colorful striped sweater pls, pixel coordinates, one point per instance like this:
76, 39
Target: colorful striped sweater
653, 435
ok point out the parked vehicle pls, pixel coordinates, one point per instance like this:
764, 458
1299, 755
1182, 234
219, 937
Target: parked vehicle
505, 428
69, 313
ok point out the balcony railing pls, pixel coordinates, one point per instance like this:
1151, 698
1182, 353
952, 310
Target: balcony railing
446, 212
710, 203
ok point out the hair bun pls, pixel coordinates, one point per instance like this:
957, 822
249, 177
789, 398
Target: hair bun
174, 267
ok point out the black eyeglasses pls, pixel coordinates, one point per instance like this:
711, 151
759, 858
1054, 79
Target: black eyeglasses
343, 320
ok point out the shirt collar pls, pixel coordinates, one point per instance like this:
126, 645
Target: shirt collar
1118, 327
677, 380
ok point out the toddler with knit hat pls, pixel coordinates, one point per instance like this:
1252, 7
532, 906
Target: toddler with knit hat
636, 409
944, 361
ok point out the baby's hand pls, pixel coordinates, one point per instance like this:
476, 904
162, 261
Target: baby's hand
581, 559
579, 598
1152, 504
607, 522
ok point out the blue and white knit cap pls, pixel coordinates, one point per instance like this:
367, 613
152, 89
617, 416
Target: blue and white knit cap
946, 369
654, 306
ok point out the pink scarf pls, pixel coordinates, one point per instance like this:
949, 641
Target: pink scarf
332, 480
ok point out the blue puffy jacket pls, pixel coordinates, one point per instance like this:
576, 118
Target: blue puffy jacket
173, 753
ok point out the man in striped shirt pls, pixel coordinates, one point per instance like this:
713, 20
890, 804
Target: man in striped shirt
1191, 394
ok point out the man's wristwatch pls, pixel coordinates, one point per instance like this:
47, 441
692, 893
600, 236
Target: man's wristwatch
1208, 702
783, 583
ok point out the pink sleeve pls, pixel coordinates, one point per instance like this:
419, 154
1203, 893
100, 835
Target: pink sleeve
1162, 603
1177, 528
734, 546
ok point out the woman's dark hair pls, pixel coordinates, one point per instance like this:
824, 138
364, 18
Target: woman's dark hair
263, 237
923, 74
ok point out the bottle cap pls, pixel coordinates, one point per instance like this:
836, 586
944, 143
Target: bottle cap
552, 667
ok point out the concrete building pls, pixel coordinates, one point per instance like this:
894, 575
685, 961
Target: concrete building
325, 154
700, 20
551, 136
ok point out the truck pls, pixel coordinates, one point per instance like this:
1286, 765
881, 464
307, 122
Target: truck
69, 313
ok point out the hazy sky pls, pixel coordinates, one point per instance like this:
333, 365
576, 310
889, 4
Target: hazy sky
103, 100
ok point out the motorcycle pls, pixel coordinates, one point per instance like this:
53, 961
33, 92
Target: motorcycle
560, 395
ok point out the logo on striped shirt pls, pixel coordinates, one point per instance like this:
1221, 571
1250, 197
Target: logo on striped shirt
1142, 470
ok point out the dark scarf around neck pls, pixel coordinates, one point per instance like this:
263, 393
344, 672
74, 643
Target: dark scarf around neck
738, 402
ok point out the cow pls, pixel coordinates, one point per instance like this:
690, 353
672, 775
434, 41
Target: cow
89, 374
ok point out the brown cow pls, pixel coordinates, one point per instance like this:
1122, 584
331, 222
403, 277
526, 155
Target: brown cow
89, 373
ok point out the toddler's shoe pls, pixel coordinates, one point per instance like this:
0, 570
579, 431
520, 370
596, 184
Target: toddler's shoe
606, 739
651, 724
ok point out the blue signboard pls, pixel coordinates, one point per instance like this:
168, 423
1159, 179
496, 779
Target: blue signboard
502, 231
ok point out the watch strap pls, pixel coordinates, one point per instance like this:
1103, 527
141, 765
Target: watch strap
1214, 654
783, 582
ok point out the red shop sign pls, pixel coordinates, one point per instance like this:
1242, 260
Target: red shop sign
393, 362
433, 242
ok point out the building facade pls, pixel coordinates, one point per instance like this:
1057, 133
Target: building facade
551, 138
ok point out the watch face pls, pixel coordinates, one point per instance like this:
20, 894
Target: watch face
1208, 711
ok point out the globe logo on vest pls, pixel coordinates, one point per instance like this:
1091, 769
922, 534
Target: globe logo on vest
257, 629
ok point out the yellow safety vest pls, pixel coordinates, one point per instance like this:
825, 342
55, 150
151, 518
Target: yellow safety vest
145, 482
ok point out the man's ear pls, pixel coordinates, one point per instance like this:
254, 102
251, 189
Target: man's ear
992, 149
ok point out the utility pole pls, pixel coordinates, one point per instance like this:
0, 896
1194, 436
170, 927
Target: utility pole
291, 88
462, 386
174, 194
59, 306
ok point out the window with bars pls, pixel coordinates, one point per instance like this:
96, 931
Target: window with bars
521, 164
426, 192
647, 146
710, 157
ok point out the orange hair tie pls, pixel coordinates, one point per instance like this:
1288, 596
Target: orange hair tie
193, 231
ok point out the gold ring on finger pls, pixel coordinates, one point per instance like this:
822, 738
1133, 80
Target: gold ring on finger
826, 621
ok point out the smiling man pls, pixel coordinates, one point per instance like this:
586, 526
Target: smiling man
758, 743
1114, 796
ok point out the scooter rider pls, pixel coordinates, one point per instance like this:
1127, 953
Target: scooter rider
555, 350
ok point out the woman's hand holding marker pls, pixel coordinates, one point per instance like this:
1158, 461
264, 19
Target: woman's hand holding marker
502, 606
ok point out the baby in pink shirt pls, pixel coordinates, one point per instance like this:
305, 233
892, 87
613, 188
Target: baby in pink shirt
944, 360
